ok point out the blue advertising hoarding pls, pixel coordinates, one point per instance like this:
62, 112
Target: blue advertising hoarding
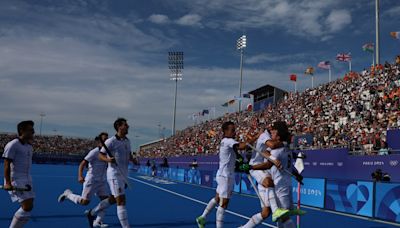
387, 201
354, 197
312, 193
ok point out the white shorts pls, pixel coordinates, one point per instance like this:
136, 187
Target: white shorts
225, 186
284, 198
117, 186
259, 175
18, 196
98, 188
264, 196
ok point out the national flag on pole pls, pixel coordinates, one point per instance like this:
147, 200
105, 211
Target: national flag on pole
205, 111
309, 70
299, 164
395, 35
293, 77
230, 102
343, 57
369, 47
246, 95
324, 65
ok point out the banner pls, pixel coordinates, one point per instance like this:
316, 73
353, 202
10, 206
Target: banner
354, 197
246, 187
393, 139
387, 201
193, 176
312, 193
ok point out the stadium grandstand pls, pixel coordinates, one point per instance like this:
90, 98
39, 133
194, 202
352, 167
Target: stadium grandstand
353, 112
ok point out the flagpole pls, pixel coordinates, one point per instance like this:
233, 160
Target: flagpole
330, 74
350, 66
295, 86
312, 81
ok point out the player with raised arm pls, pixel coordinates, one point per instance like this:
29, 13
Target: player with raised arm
263, 177
228, 155
94, 183
17, 167
282, 191
116, 151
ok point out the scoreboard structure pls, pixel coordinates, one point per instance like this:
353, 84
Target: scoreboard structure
266, 95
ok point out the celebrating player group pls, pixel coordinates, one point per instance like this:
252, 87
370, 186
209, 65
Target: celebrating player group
107, 174
270, 165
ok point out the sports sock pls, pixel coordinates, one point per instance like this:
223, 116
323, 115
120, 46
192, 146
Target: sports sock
74, 198
289, 224
220, 217
272, 199
123, 216
105, 203
254, 221
209, 207
20, 218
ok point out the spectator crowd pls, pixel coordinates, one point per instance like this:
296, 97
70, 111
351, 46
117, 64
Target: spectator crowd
54, 145
354, 111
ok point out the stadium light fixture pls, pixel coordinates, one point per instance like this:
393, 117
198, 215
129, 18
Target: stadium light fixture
241, 44
175, 65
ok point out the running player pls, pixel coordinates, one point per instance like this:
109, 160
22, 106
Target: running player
117, 152
228, 153
17, 166
95, 182
282, 191
263, 177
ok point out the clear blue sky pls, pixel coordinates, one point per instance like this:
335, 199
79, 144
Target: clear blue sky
86, 62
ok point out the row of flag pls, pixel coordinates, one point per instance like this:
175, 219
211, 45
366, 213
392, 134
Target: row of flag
233, 101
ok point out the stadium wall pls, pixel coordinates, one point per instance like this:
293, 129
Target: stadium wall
327, 163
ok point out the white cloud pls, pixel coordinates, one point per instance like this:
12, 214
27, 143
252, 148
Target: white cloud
338, 19
190, 20
159, 19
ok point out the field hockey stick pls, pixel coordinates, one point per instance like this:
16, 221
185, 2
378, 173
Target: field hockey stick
115, 162
272, 161
26, 189
256, 190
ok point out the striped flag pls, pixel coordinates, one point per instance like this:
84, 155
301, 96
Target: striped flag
325, 65
395, 35
369, 47
343, 57
309, 70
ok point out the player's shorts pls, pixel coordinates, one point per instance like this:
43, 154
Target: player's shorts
117, 186
284, 197
20, 196
225, 186
264, 196
259, 175
98, 188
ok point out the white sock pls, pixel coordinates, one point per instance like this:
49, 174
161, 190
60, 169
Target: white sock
123, 216
20, 218
220, 217
209, 207
272, 199
254, 221
105, 203
74, 198
100, 216
289, 224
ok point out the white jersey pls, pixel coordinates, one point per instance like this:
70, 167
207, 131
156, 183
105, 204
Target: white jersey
121, 150
97, 168
227, 158
281, 178
256, 158
21, 156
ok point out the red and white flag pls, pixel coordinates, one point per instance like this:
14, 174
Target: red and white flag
343, 57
